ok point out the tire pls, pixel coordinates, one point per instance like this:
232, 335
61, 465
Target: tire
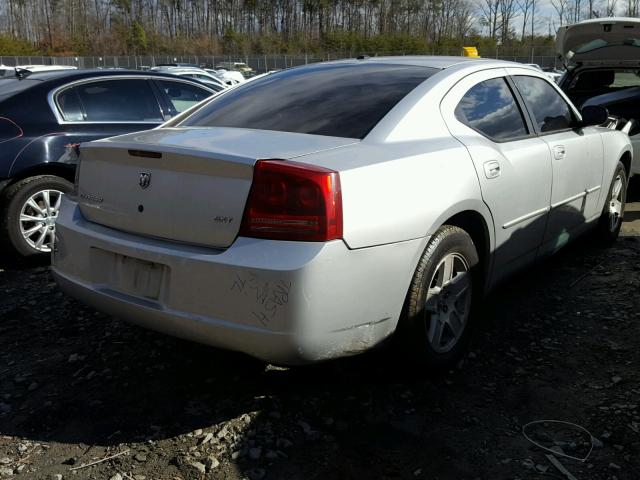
435, 326
610, 222
28, 197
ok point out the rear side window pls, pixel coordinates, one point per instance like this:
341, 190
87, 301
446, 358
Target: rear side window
550, 111
69, 105
490, 108
182, 95
125, 100
340, 100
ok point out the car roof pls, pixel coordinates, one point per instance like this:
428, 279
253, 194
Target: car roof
432, 61
79, 74
179, 69
10, 86
605, 20
62, 76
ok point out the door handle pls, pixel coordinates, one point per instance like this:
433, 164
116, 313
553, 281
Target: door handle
491, 169
559, 152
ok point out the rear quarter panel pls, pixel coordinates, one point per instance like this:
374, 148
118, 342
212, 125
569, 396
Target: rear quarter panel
398, 191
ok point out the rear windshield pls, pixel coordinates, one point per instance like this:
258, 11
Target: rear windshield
340, 100
600, 43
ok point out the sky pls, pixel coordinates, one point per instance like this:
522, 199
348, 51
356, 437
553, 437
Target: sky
547, 17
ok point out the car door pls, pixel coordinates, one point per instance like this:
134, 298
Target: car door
103, 107
513, 165
577, 158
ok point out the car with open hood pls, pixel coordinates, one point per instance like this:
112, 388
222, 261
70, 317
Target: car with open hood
602, 58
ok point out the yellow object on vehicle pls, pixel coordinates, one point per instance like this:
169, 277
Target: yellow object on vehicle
470, 52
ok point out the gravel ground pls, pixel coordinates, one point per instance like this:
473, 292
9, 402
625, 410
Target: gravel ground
560, 341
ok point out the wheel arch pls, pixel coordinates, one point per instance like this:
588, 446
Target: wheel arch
625, 159
66, 171
478, 224
475, 224
473, 217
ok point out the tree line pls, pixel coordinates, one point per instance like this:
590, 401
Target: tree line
201, 27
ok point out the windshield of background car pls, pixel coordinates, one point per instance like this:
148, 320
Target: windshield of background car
340, 100
609, 79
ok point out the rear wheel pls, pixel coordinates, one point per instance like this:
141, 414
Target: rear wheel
29, 211
437, 313
610, 221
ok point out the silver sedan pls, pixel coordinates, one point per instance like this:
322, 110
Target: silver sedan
313, 213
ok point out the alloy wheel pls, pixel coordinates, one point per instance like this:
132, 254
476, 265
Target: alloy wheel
448, 302
37, 219
615, 204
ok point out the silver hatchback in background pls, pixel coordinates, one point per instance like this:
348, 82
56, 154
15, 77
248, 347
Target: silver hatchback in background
312, 213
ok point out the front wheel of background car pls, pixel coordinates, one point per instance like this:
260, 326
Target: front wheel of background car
437, 313
29, 211
610, 221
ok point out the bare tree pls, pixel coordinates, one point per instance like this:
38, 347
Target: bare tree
508, 11
490, 10
526, 7
211, 26
560, 6
632, 8
593, 8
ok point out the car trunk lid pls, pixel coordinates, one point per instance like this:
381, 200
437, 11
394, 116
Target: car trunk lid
603, 39
187, 185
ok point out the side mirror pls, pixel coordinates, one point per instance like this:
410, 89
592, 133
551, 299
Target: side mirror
593, 115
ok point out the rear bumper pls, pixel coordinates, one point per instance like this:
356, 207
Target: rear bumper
283, 302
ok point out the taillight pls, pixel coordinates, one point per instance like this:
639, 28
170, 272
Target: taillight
293, 201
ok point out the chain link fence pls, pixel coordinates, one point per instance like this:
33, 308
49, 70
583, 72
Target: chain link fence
542, 56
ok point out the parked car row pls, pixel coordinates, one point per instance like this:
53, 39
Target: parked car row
241, 67
257, 219
219, 80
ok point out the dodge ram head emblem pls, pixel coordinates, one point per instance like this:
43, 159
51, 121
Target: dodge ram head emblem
145, 180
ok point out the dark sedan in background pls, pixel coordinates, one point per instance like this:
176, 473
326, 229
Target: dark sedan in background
43, 116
